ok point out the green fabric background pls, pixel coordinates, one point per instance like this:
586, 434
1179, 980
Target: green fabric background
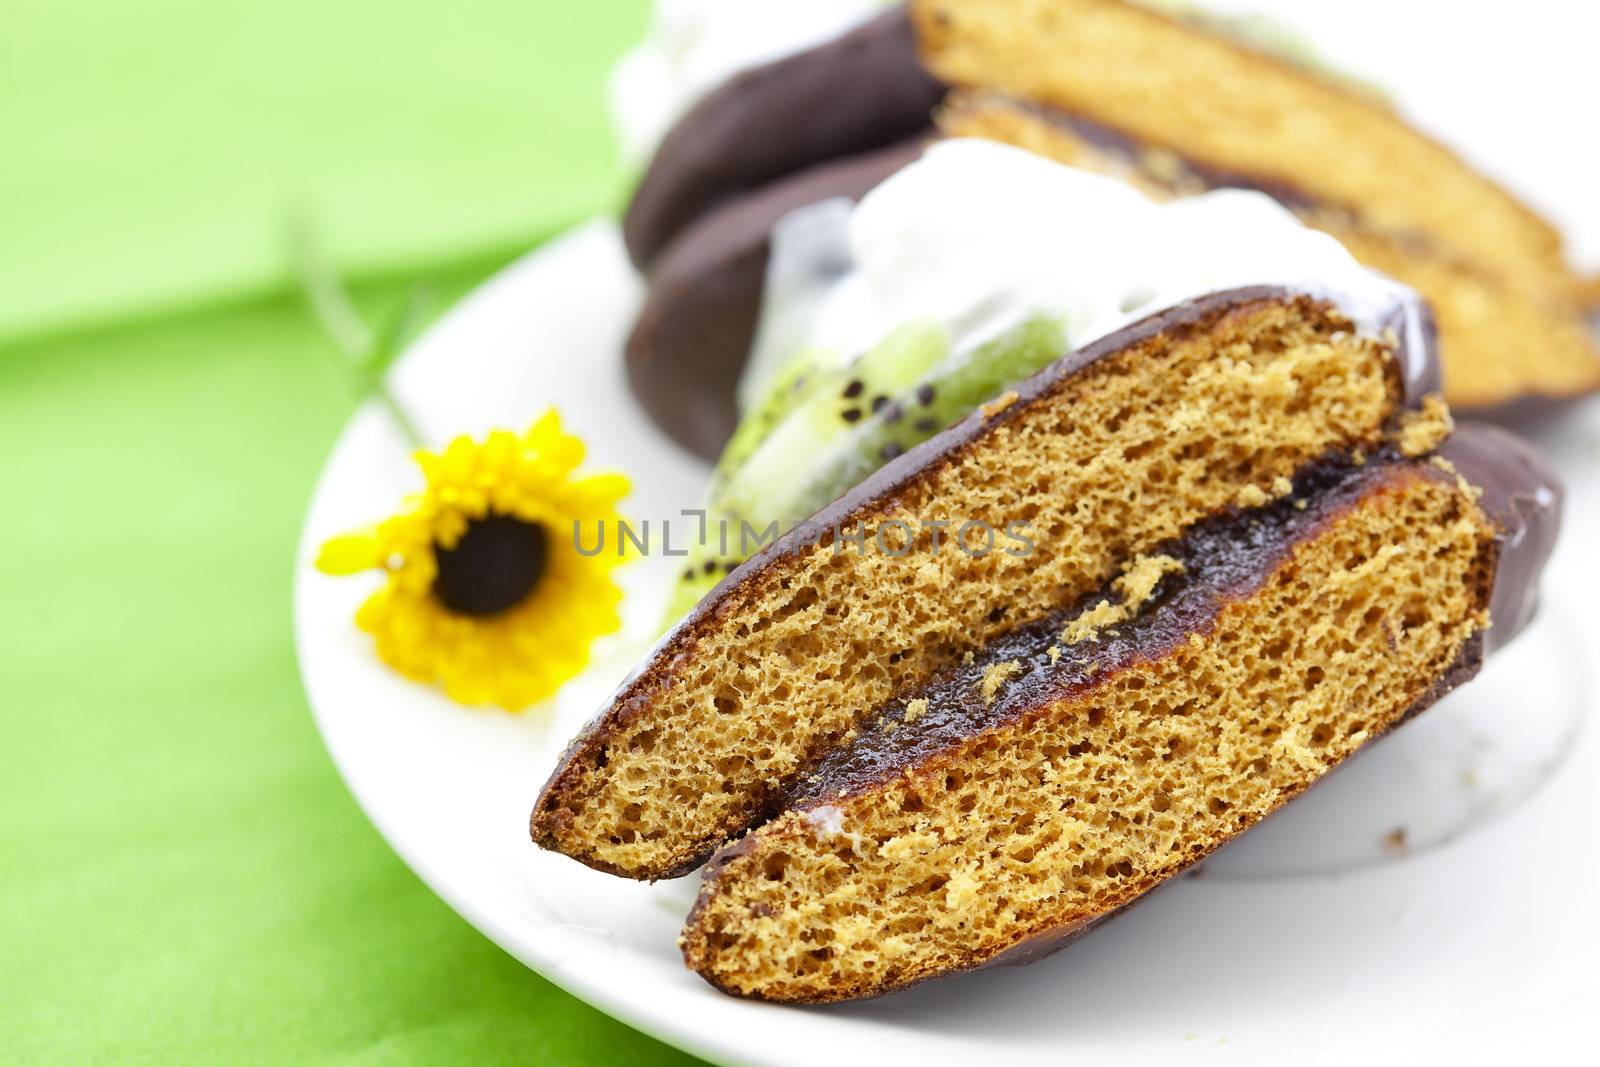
183, 877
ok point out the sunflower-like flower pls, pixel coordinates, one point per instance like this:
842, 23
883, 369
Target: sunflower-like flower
486, 591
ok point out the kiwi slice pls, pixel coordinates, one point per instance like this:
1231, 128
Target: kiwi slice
805, 462
898, 395
942, 399
799, 379
806, 409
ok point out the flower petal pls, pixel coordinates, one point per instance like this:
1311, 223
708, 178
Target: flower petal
523, 655
351, 553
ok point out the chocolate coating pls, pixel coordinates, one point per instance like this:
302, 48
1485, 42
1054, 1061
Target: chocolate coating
1524, 497
858, 92
692, 337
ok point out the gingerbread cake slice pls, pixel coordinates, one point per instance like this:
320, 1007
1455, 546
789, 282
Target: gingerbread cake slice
1237, 109
1195, 108
1509, 340
1016, 800
1175, 398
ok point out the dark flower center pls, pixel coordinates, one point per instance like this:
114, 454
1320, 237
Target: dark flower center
493, 568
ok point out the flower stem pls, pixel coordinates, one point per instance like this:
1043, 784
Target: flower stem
379, 389
368, 352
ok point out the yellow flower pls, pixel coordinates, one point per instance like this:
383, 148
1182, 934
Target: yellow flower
487, 593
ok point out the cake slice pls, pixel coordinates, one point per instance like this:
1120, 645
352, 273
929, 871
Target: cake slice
1016, 800
1149, 431
1170, 102
1130, 67
1509, 338
1178, 395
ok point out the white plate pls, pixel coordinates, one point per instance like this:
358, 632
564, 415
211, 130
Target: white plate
1310, 940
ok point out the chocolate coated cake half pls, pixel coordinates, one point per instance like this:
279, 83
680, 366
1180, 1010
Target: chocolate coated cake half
1015, 800
1177, 394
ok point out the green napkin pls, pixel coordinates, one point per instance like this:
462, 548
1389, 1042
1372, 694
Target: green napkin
183, 877
153, 148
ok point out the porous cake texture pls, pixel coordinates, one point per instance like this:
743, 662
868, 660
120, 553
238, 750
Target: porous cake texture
1279, 641
1106, 455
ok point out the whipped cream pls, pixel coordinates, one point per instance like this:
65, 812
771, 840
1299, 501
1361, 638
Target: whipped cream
982, 237
693, 46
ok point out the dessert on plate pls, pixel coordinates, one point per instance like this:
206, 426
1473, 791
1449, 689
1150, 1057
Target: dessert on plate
1162, 94
1201, 529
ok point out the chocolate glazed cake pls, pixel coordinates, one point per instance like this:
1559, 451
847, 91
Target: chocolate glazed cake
1510, 341
1079, 80
1219, 548
1105, 455
1013, 802
1256, 547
